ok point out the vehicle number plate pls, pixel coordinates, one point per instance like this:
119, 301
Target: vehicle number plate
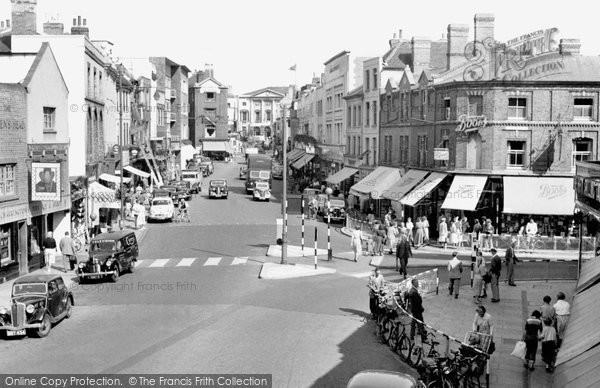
11, 333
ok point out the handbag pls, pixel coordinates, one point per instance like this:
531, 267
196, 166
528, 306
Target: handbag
487, 277
519, 350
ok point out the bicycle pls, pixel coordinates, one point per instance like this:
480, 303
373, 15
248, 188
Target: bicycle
399, 340
181, 214
385, 318
455, 371
416, 353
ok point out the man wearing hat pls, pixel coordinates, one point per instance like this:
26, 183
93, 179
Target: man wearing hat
511, 261
46, 183
496, 267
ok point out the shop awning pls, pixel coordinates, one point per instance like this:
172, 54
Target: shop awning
544, 196
214, 146
341, 175
294, 154
377, 182
114, 178
581, 371
423, 189
464, 192
590, 274
137, 172
405, 185
102, 197
301, 162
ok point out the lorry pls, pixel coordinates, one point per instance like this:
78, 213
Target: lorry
251, 151
195, 179
259, 169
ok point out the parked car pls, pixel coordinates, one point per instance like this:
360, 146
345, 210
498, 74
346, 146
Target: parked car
337, 209
277, 171
161, 208
218, 189
183, 189
243, 172
262, 191
110, 254
37, 302
165, 191
383, 379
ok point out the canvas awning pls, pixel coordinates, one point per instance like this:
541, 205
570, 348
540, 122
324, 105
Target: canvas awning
580, 371
405, 185
465, 192
102, 196
537, 195
341, 175
301, 162
294, 154
590, 274
376, 182
137, 172
114, 179
217, 146
423, 189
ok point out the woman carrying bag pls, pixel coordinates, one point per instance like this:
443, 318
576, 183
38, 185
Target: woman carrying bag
533, 328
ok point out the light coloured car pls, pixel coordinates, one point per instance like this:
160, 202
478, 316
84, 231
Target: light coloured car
383, 379
161, 208
262, 191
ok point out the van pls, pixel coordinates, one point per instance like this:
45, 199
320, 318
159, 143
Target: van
110, 254
195, 179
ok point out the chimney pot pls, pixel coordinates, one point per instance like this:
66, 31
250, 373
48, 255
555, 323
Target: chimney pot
458, 35
399, 34
484, 26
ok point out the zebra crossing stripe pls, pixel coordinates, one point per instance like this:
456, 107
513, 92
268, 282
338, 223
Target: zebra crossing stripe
186, 262
159, 263
213, 261
239, 260
138, 263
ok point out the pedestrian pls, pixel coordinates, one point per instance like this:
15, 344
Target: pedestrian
402, 228
476, 232
356, 242
548, 338
409, 231
380, 237
455, 269
403, 253
454, 232
563, 312
482, 323
375, 285
533, 328
547, 310
464, 229
443, 232
49, 246
414, 304
511, 261
488, 231
531, 230
392, 236
67, 247
420, 233
426, 230
140, 219
479, 272
312, 207
495, 270
388, 218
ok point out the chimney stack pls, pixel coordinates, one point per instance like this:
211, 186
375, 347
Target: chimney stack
54, 28
569, 47
484, 26
421, 54
79, 27
208, 70
458, 35
24, 20
394, 41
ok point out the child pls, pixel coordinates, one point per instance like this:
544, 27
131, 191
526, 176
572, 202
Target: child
548, 338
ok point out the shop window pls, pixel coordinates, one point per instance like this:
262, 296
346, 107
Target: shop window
582, 150
7, 180
582, 108
517, 108
516, 154
5, 246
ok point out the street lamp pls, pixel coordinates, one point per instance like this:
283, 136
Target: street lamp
284, 200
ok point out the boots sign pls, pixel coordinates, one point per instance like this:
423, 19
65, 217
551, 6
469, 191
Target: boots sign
470, 123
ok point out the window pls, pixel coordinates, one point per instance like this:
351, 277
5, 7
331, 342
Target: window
374, 113
367, 113
328, 129
359, 115
353, 145
516, 154
517, 108
583, 108
374, 79
348, 144
422, 155
367, 148
476, 105
368, 79
244, 103
447, 108
257, 117
210, 96
375, 145
582, 150
404, 149
7, 180
268, 115
49, 119
244, 116
95, 95
100, 85
89, 80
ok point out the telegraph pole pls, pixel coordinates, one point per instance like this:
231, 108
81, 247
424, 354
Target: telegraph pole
120, 103
284, 200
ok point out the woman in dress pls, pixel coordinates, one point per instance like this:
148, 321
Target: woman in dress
409, 231
419, 234
392, 235
425, 230
443, 232
479, 270
454, 233
356, 242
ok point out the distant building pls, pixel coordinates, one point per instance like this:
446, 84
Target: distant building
259, 110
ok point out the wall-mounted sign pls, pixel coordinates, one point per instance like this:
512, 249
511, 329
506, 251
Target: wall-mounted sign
45, 181
537, 42
441, 154
471, 123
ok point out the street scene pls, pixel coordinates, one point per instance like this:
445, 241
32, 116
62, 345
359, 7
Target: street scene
411, 209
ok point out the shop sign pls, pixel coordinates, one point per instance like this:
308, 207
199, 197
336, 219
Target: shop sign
537, 42
548, 191
441, 154
33, 209
45, 182
471, 123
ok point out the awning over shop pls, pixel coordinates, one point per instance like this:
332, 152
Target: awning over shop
533, 195
102, 197
465, 192
424, 188
405, 185
581, 371
114, 178
341, 175
377, 182
137, 172
215, 146
294, 154
590, 274
301, 162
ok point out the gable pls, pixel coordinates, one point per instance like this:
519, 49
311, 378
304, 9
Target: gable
268, 93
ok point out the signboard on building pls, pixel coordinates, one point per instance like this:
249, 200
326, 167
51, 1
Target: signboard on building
45, 181
471, 123
535, 43
33, 209
441, 154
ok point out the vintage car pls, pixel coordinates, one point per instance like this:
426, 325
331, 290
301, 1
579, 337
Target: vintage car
243, 172
194, 178
37, 302
161, 208
336, 210
110, 254
383, 379
218, 189
277, 171
165, 191
208, 165
183, 190
262, 191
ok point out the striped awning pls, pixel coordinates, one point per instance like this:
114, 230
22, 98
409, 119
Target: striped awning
137, 172
113, 178
341, 175
301, 162
294, 154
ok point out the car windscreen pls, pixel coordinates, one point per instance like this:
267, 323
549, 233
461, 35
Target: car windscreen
189, 176
102, 245
262, 186
337, 203
29, 288
264, 174
159, 202
218, 183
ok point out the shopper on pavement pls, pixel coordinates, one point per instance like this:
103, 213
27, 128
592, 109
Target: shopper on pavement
392, 236
455, 226
563, 312
548, 338
426, 230
388, 218
464, 230
67, 247
409, 231
375, 285
479, 271
533, 328
532, 230
403, 252
414, 304
482, 323
547, 310
49, 246
443, 232
488, 230
495, 270
477, 231
455, 269
511, 261
356, 242
419, 233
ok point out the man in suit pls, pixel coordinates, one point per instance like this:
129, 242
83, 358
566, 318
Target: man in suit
496, 267
511, 261
414, 305
67, 248
403, 252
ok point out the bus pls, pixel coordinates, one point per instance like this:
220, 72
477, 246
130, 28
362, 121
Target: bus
259, 168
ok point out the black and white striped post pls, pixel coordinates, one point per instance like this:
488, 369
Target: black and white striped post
328, 191
315, 247
302, 213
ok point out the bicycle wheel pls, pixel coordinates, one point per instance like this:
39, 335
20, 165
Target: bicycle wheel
415, 355
393, 338
404, 348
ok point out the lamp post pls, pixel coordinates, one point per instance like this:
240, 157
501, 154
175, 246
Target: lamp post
120, 106
284, 200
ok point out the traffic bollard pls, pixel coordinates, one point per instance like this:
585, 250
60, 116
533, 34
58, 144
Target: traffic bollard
315, 247
302, 213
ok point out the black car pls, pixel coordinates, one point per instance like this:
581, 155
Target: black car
218, 189
37, 302
110, 254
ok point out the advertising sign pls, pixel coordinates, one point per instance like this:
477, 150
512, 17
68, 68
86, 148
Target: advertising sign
441, 154
45, 181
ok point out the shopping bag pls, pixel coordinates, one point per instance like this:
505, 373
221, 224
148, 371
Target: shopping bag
519, 350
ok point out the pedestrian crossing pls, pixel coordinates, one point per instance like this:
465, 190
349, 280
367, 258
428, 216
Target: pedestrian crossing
187, 262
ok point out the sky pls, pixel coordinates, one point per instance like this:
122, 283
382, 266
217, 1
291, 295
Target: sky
252, 44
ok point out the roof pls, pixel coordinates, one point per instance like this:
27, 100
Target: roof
336, 56
398, 56
36, 278
356, 92
590, 274
276, 89
113, 235
198, 84
581, 371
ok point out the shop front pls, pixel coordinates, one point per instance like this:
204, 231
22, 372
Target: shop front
368, 194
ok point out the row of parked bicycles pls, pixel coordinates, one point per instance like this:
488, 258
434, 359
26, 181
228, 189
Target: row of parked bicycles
463, 367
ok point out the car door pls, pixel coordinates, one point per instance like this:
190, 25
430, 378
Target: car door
53, 298
63, 294
122, 253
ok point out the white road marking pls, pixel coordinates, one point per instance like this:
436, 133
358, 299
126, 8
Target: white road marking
159, 263
360, 274
186, 262
213, 261
239, 260
138, 263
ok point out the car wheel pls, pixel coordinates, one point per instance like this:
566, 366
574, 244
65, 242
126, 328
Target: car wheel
69, 308
44, 329
115, 276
